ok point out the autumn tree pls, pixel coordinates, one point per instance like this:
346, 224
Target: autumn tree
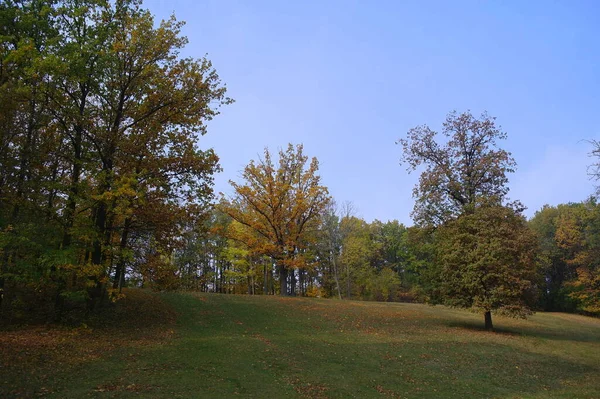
464, 167
578, 235
364, 260
280, 205
488, 262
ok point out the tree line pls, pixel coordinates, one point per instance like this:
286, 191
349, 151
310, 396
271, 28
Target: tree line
104, 184
471, 246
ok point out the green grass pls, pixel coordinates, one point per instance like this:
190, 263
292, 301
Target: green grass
265, 347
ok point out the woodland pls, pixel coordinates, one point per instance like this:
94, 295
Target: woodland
104, 185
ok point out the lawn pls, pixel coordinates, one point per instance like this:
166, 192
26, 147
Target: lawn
181, 345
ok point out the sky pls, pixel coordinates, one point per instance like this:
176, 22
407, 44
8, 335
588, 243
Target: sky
349, 78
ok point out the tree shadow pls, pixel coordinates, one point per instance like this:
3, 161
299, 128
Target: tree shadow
526, 331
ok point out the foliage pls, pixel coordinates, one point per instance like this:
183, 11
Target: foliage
99, 145
488, 261
569, 235
578, 232
465, 170
279, 207
555, 269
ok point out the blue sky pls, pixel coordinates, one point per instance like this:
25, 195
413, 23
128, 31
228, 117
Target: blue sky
348, 78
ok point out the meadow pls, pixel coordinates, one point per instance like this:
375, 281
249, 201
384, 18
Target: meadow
187, 345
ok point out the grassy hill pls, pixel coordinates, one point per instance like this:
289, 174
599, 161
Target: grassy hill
191, 345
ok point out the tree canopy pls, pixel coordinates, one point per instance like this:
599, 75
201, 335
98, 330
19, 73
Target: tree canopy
488, 262
464, 167
485, 253
100, 127
281, 206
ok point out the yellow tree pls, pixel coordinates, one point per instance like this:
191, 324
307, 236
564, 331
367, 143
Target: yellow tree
578, 236
281, 205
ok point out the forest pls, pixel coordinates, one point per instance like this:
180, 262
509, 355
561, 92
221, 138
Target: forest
105, 184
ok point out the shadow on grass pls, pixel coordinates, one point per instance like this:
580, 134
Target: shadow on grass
37, 360
528, 331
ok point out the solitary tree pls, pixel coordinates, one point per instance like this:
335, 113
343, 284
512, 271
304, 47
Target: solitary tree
485, 252
281, 205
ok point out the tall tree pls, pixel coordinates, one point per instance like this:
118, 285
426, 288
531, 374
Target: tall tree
463, 169
329, 246
462, 191
281, 206
102, 135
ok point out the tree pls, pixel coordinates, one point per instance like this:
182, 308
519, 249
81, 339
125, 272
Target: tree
329, 246
593, 170
488, 262
280, 206
358, 251
466, 171
100, 164
421, 266
578, 235
463, 189
556, 270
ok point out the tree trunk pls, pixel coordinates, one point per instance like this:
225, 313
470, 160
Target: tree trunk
120, 270
222, 281
348, 281
283, 280
301, 282
77, 142
292, 275
335, 275
1, 289
101, 215
216, 267
266, 280
488, 321
73, 189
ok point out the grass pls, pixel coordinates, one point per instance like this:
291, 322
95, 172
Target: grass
221, 346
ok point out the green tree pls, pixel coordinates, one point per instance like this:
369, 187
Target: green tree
421, 267
488, 262
555, 268
358, 251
